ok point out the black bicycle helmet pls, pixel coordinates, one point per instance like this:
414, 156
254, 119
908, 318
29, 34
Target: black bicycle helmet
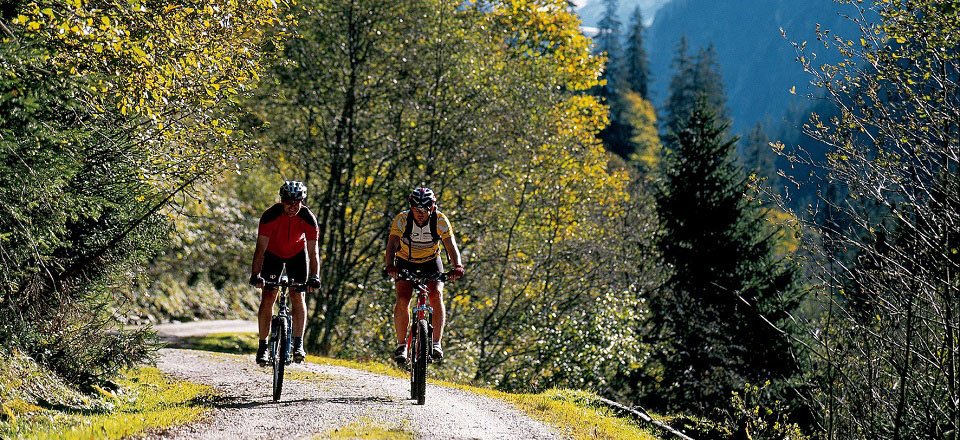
293, 190
422, 197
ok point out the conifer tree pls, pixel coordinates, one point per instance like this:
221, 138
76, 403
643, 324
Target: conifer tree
636, 64
708, 83
608, 41
616, 136
681, 88
758, 158
722, 319
694, 79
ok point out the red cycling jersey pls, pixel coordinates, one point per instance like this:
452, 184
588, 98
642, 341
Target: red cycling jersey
287, 234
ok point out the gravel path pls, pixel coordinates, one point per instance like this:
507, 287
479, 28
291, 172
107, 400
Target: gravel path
324, 398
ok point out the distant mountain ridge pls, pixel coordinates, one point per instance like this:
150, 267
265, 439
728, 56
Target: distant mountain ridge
591, 12
757, 64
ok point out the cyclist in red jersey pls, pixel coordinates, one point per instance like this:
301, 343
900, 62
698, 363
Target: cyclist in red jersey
414, 244
287, 234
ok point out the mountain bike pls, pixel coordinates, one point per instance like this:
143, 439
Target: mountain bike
419, 338
280, 327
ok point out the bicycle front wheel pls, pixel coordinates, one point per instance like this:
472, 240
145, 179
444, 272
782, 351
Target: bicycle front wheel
420, 362
279, 356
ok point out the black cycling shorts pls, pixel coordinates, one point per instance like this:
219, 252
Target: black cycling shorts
296, 267
425, 268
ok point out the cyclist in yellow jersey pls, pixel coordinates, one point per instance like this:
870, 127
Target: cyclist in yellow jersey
414, 244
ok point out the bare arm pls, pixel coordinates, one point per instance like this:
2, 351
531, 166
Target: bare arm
257, 265
453, 252
393, 244
313, 254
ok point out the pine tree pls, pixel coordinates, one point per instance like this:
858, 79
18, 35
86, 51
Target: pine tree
708, 83
608, 41
616, 136
714, 319
758, 158
681, 97
636, 64
696, 79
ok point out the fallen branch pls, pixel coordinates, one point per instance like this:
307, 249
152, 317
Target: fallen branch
642, 416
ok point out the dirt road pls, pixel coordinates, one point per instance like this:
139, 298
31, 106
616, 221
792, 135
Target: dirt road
318, 399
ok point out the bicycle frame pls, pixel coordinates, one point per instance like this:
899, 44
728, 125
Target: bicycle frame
281, 326
420, 332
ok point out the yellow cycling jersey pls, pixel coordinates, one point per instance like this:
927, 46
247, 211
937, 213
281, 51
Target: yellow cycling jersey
420, 247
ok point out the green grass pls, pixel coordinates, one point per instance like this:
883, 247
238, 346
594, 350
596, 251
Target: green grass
236, 343
148, 401
367, 429
308, 376
574, 413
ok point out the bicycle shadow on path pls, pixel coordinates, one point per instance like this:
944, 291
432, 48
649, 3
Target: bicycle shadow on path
241, 403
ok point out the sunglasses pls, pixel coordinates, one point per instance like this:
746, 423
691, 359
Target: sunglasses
290, 202
421, 210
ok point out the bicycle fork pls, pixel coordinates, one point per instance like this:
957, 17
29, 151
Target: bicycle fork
428, 315
282, 325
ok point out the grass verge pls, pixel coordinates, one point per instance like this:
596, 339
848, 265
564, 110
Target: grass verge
147, 401
368, 429
574, 413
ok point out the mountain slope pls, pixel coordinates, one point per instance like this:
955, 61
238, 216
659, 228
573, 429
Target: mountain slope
758, 65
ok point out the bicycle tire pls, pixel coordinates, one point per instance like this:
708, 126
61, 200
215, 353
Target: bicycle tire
279, 357
411, 350
420, 367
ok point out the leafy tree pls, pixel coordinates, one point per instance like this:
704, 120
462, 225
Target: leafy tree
104, 124
636, 64
887, 343
642, 117
722, 319
487, 103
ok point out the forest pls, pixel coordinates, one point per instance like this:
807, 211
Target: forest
646, 253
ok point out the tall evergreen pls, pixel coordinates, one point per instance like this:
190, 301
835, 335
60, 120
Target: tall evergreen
608, 41
636, 64
714, 319
681, 97
694, 79
708, 82
757, 156
616, 136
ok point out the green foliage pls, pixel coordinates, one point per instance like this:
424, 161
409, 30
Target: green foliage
694, 80
637, 66
887, 341
761, 417
103, 122
758, 158
723, 318
485, 103
145, 400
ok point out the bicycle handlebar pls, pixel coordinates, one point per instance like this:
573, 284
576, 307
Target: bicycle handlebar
284, 284
407, 275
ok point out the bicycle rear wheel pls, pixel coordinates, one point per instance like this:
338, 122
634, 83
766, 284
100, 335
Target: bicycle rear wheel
420, 363
278, 346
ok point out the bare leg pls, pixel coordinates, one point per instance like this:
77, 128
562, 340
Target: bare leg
439, 310
299, 305
401, 311
265, 313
